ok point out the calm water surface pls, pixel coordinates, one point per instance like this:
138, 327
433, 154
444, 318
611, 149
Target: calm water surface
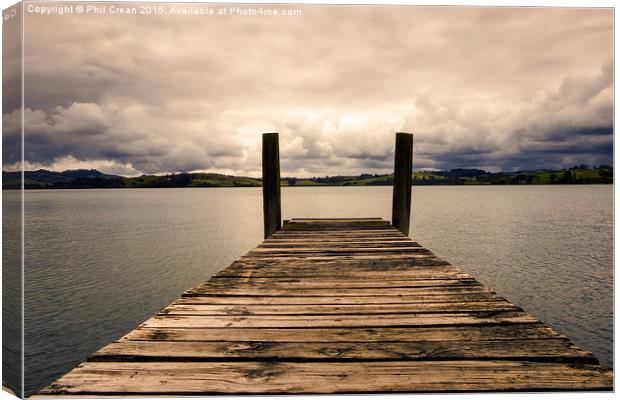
100, 262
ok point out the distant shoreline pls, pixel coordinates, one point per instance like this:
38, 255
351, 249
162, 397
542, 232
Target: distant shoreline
93, 179
305, 186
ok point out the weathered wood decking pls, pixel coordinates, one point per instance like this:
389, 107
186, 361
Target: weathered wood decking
327, 306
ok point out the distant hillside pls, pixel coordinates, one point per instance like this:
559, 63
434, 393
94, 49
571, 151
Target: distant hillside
84, 179
44, 178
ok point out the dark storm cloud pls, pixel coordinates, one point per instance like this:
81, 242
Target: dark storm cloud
480, 87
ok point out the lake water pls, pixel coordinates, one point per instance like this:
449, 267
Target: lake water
100, 262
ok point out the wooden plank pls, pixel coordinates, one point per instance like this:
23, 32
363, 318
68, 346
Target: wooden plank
318, 283
296, 237
327, 377
536, 349
278, 237
344, 232
342, 239
249, 271
344, 221
336, 250
330, 335
348, 231
353, 242
333, 292
360, 268
287, 284
337, 309
337, 228
341, 300
343, 257
269, 273
348, 246
337, 220
351, 264
324, 321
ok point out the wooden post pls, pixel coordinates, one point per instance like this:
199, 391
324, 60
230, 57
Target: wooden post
271, 184
401, 196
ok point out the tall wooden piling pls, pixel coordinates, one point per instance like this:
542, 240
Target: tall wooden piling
271, 184
401, 196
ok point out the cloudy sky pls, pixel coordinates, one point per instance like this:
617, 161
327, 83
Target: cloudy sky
492, 88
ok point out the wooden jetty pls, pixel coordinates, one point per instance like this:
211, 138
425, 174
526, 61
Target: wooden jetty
336, 306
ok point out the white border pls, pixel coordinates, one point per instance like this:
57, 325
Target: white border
489, 3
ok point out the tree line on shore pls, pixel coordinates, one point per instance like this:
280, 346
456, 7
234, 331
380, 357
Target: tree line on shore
85, 179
